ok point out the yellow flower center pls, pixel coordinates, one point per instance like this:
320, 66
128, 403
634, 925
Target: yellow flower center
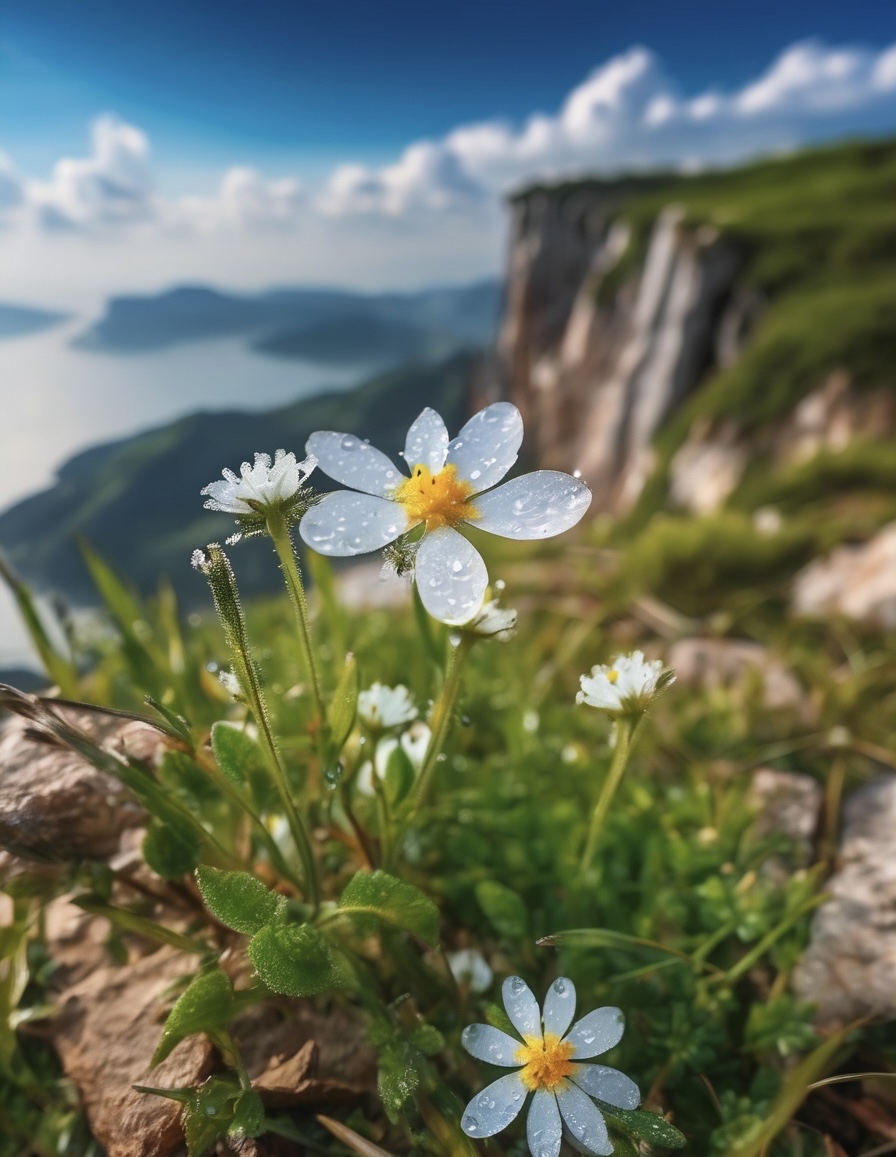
436, 499
546, 1061
612, 676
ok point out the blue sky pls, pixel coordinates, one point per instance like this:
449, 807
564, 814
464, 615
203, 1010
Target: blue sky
371, 142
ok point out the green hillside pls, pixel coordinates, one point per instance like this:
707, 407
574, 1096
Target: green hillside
137, 501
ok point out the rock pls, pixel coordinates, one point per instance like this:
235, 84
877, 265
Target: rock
105, 1030
596, 353
856, 581
787, 802
712, 663
849, 968
53, 804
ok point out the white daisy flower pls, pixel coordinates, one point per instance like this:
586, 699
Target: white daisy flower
414, 743
381, 707
548, 1063
469, 966
493, 621
451, 483
260, 485
627, 686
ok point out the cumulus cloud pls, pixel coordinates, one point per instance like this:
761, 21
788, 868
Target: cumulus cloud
111, 186
628, 114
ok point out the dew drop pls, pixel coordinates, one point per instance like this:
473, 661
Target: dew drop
457, 566
516, 985
333, 774
474, 474
470, 1124
561, 987
348, 443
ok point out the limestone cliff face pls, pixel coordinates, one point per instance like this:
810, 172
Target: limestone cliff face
600, 342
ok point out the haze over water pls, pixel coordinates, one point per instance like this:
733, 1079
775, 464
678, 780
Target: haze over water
56, 400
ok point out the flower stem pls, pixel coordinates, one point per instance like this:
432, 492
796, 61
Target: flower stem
223, 586
442, 714
624, 734
279, 532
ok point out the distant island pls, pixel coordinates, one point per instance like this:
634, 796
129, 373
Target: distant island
19, 320
331, 326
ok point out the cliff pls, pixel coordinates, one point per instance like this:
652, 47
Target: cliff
672, 326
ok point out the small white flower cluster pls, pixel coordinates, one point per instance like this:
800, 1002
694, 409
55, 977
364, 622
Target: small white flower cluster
414, 743
381, 707
452, 483
627, 686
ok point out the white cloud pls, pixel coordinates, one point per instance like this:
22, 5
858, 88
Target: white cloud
439, 198
112, 186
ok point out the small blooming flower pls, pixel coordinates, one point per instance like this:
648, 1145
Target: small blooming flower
414, 743
450, 483
381, 707
470, 967
493, 621
627, 686
259, 487
548, 1062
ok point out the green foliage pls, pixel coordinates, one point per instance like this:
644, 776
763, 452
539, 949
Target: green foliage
206, 1005
382, 898
298, 960
239, 899
504, 908
172, 849
645, 1127
344, 704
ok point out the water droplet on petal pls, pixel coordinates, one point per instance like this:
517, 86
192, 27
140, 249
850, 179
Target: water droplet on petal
348, 443
516, 985
457, 566
470, 1124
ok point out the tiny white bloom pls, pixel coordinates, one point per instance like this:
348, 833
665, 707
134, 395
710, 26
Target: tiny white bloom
548, 1062
468, 965
493, 621
450, 483
259, 485
381, 707
414, 743
230, 683
626, 686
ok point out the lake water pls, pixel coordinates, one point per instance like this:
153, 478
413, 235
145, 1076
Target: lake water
56, 400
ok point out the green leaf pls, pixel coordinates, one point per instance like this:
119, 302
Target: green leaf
428, 1039
205, 1005
505, 909
239, 899
236, 753
498, 1018
208, 1114
400, 775
383, 897
344, 704
248, 1115
398, 1076
176, 723
59, 669
171, 849
647, 1127
132, 922
297, 960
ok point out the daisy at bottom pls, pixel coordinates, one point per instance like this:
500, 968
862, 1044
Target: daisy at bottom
548, 1062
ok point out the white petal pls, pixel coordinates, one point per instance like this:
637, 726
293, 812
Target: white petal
353, 462
536, 505
487, 446
544, 1129
495, 1107
596, 1032
451, 576
583, 1119
427, 442
559, 1006
486, 1043
608, 1085
522, 1007
347, 522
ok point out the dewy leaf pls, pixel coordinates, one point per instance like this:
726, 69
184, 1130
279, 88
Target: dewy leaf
297, 960
398, 1075
344, 704
208, 1114
205, 1005
171, 849
383, 897
237, 754
649, 1127
248, 1115
504, 908
238, 899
